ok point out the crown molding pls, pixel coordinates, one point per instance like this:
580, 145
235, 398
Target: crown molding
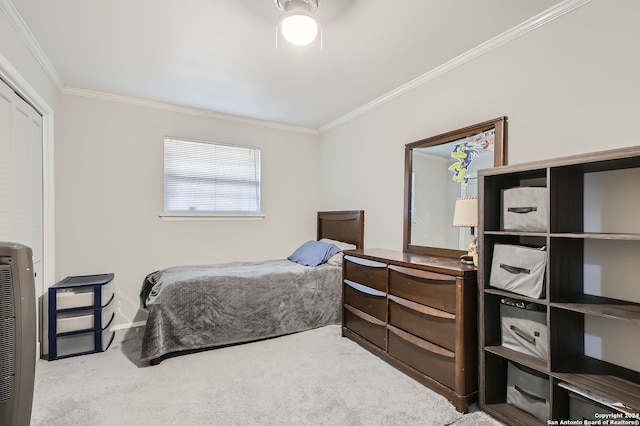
14, 79
16, 20
27, 36
519, 30
110, 97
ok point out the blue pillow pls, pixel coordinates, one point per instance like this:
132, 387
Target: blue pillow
313, 253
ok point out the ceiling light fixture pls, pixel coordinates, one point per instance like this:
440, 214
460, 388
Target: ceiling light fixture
297, 25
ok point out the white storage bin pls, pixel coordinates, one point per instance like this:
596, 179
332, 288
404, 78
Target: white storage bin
80, 343
528, 390
518, 269
82, 320
524, 328
78, 297
75, 321
525, 209
74, 298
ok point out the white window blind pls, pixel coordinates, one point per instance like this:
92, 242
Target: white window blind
210, 178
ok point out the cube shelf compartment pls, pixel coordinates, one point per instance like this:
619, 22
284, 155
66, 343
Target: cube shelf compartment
590, 229
80, 315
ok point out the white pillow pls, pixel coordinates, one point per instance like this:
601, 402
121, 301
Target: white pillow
336, 259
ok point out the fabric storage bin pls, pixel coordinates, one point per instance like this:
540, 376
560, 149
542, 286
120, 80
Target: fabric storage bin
582, 408
525, 209
524, 327
528, 390
518, 269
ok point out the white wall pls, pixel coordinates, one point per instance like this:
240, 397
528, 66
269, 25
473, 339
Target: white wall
568, 87
109, 193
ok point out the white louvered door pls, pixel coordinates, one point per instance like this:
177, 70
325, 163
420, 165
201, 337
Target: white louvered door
21, 188
6, 107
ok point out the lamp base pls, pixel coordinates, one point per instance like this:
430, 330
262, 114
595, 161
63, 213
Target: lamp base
467, 259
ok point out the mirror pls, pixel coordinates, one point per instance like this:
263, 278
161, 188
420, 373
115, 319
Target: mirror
440, 169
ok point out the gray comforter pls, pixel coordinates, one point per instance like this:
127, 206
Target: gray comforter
195, 307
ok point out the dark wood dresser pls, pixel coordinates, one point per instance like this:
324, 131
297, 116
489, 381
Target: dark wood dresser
419, 314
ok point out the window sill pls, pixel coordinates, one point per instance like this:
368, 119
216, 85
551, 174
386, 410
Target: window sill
209, 216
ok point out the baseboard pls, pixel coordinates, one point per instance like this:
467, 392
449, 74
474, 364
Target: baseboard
129, 325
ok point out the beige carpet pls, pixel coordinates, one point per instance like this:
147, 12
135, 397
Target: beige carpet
311, 378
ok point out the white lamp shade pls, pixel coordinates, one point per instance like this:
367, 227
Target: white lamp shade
298, 28
466, 212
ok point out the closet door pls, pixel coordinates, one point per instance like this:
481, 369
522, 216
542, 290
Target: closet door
6, 108
21, 177
26, 185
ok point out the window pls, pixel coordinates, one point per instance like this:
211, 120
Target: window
202, 178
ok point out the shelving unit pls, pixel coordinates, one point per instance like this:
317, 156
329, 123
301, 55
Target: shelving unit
80, 316
569, 305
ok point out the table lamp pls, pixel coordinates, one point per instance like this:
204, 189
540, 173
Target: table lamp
465, 214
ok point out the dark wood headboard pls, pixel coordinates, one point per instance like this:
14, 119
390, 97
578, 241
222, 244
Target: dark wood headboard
346, 226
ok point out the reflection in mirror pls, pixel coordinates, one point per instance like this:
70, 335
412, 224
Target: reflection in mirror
432, 174
438, 171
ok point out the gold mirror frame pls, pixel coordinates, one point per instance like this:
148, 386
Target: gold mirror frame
500, 159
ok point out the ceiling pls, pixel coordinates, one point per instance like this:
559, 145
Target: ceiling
221, 55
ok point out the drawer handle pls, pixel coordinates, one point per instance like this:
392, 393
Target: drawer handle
514, 269
522, 210
423, 344
364, 289
365, 262
530, 395
113, 296
113, 315
366, 317
447, 279
526, 336
421, 308
113, 334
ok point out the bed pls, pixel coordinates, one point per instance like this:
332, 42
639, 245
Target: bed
200, 307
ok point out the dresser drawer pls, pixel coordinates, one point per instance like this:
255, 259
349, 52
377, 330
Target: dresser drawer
365, 326
427, 358
366, 272
427, 288
365, 299
431, 324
